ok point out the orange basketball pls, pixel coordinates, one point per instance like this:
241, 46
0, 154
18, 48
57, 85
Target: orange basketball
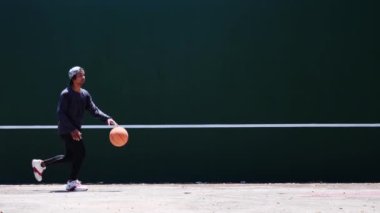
118, 136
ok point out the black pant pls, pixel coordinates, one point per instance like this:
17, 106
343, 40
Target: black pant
74, 153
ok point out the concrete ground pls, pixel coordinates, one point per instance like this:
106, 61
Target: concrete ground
192, 198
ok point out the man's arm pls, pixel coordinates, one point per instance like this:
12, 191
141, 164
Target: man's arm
62, 110
97, 113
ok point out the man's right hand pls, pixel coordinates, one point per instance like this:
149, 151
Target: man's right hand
76, 135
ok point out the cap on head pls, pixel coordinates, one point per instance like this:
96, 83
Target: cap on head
73, 71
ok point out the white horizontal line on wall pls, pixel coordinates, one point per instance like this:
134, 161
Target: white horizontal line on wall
205, 126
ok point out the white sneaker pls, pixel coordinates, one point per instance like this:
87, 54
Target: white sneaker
75, 185
37, 169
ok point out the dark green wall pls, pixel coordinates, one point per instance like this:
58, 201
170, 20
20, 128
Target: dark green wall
167, 62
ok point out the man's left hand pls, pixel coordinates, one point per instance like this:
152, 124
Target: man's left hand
111, 122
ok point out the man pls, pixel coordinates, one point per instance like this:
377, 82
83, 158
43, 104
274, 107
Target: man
73, 102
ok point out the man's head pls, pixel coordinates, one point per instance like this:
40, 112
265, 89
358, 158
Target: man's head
77, 76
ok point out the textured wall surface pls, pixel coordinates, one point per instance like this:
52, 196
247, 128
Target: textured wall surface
185, 62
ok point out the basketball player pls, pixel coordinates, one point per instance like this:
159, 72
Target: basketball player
73, 102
